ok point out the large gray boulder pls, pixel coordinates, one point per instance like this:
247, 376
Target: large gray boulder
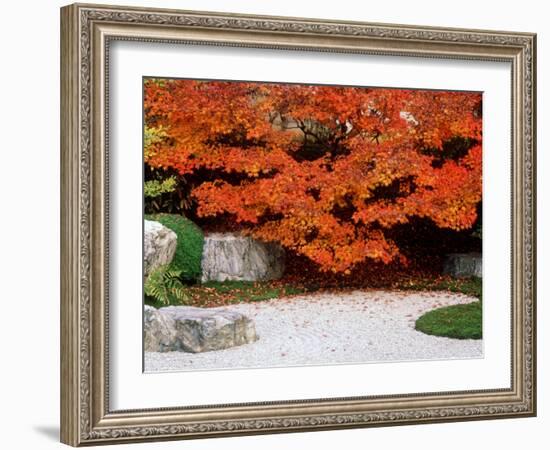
230, 256
461, 265
159, 330
159, 246
194, 330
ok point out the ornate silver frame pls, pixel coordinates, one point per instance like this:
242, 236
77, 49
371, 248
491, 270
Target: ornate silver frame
86, 31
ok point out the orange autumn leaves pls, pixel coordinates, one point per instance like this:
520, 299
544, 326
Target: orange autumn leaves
323, 170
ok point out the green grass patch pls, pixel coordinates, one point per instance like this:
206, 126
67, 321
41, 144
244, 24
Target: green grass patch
467, 286
215, 293
248, 290
457, 321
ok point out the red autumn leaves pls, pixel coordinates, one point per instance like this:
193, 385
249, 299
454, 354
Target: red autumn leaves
323, 170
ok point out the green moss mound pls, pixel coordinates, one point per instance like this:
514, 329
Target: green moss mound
187, 259
457, 321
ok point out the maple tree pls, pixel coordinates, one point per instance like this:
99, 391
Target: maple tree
323, 170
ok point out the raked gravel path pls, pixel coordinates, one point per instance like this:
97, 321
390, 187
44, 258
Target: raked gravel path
332, 328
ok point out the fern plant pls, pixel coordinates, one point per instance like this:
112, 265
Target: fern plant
164, 286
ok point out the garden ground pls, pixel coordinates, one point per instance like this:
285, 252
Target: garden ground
333, 328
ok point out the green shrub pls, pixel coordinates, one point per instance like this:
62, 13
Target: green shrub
187, 259
155, 188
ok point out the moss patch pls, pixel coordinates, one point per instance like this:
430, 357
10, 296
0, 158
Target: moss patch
457, 321
215, 293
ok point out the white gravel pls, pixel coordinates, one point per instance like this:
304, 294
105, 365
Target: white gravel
332, 328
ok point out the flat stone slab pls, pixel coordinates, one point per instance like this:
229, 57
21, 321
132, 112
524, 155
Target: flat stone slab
195, 330
461, 265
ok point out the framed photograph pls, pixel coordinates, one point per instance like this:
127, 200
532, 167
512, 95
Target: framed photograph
276, 224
